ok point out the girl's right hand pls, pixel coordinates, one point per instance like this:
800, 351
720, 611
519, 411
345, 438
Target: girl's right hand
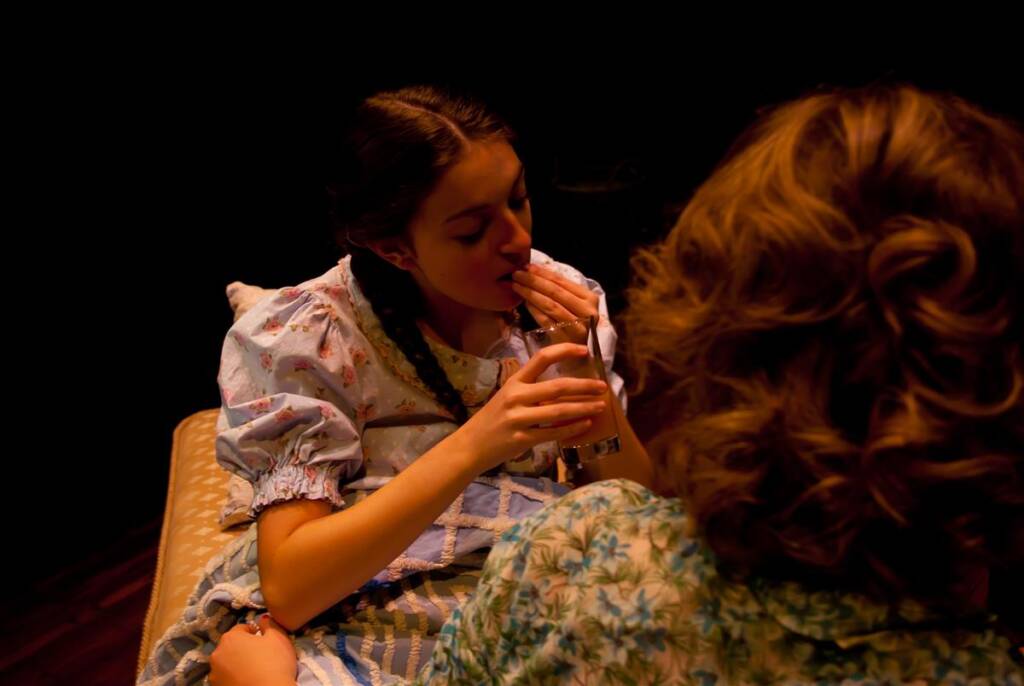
507, 425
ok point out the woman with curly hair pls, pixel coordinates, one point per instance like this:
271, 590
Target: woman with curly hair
833, 330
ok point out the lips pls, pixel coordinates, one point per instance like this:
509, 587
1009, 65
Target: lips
508, 277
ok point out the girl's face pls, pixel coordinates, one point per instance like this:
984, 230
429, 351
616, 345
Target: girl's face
471, 232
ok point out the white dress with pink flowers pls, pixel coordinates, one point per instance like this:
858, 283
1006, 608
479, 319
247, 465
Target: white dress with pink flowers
319, 403
317, 399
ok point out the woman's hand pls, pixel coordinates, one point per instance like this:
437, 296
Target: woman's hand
254, 656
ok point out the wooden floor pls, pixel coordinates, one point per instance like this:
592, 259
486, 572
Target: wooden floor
83, 624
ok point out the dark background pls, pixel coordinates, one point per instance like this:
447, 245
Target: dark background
151, 187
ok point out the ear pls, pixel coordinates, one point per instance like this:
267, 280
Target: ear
394, 251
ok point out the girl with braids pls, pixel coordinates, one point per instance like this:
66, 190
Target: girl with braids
387, 413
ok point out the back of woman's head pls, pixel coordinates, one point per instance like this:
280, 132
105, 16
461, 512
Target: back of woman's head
835, 322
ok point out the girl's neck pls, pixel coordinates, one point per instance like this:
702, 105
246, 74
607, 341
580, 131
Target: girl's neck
459, 326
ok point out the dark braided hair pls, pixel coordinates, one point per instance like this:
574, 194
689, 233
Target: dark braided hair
395, 300
401, 143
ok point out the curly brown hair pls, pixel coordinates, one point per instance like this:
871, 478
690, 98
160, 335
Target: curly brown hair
835, 325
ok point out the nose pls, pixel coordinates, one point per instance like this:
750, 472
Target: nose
516, 240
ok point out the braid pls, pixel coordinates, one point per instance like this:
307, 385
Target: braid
395, 299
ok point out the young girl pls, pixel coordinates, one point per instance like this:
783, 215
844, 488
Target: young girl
365, 405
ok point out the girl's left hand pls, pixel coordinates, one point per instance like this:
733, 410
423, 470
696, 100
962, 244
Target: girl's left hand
551, 298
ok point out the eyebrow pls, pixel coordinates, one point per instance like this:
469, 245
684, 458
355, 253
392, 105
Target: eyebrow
479, 208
